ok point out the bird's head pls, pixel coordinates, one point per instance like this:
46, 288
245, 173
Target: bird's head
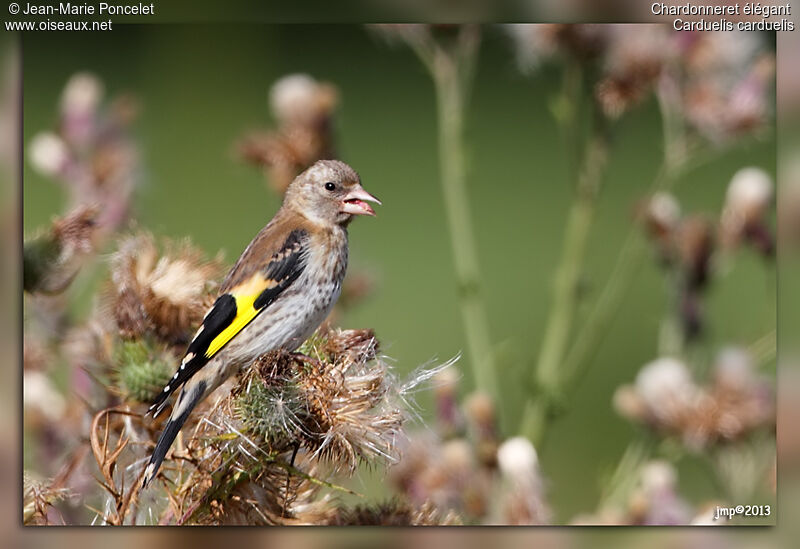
329, 193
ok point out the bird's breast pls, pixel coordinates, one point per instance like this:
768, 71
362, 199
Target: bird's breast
300, 309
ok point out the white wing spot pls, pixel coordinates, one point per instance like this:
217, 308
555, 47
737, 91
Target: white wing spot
166, 388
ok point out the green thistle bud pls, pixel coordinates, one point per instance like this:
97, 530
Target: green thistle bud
140, 374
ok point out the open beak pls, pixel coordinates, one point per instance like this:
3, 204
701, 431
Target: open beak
355, 203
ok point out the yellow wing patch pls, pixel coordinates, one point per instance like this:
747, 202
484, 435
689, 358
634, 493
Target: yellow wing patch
245, 295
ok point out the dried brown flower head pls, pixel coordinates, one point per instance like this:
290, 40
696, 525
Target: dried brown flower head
90, 151
263, 452
38, 497
744, 217
450, 419
163, 294
726, 84
660, 214
303, 109
735, 403
535, 43
392, 513
634, 60
446, 473
695, 245
523, 500
480, 412
52, 260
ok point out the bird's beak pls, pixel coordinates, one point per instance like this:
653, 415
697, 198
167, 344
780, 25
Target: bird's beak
354, 202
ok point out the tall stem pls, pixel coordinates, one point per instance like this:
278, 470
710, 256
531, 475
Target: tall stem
549, 375
573, 361
452, 72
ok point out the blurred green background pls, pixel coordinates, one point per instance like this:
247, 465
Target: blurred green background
201, 87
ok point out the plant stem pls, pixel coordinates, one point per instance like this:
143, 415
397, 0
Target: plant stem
599, 319
451, 70
626, 267
549, 375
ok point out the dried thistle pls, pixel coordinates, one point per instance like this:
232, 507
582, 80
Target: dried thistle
449, 418
304, 111
523, 500
744, 217
695, 246
537, 42
346, 414
392, 513
262, 454
42, 402
660, 215
725, 84
51, 260
732, 405
480, 412
90, 151
648, 496
37, 498
107, 460
165, 295
634, 60
448, 474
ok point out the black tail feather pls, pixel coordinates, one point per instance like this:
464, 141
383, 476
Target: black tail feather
194, 394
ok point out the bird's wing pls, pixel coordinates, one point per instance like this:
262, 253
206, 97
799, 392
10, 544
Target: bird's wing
249, 289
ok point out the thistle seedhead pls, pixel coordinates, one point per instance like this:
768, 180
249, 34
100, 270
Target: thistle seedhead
660, 215
695, 247
655, 500
300, 99
165, 294
90, 152
330, 410
522, 500
40, 398
80, 101
747, 203
480, 412
51, 260
38, 496
449, 418
446, 473
726, 84
733, 404
535, 43
518, 460
392, 513
633, 62
303, 109
49, 154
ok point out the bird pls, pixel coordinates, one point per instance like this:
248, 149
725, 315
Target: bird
276, 295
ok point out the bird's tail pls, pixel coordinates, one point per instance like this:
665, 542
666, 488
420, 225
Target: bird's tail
192, 392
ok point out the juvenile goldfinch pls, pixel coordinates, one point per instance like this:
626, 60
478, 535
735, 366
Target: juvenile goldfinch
279, 291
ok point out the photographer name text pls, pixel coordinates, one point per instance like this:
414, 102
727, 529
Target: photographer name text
103, 8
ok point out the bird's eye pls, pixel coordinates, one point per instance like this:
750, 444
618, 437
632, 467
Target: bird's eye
330, 186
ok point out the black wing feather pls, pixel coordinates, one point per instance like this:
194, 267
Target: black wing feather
284, 268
